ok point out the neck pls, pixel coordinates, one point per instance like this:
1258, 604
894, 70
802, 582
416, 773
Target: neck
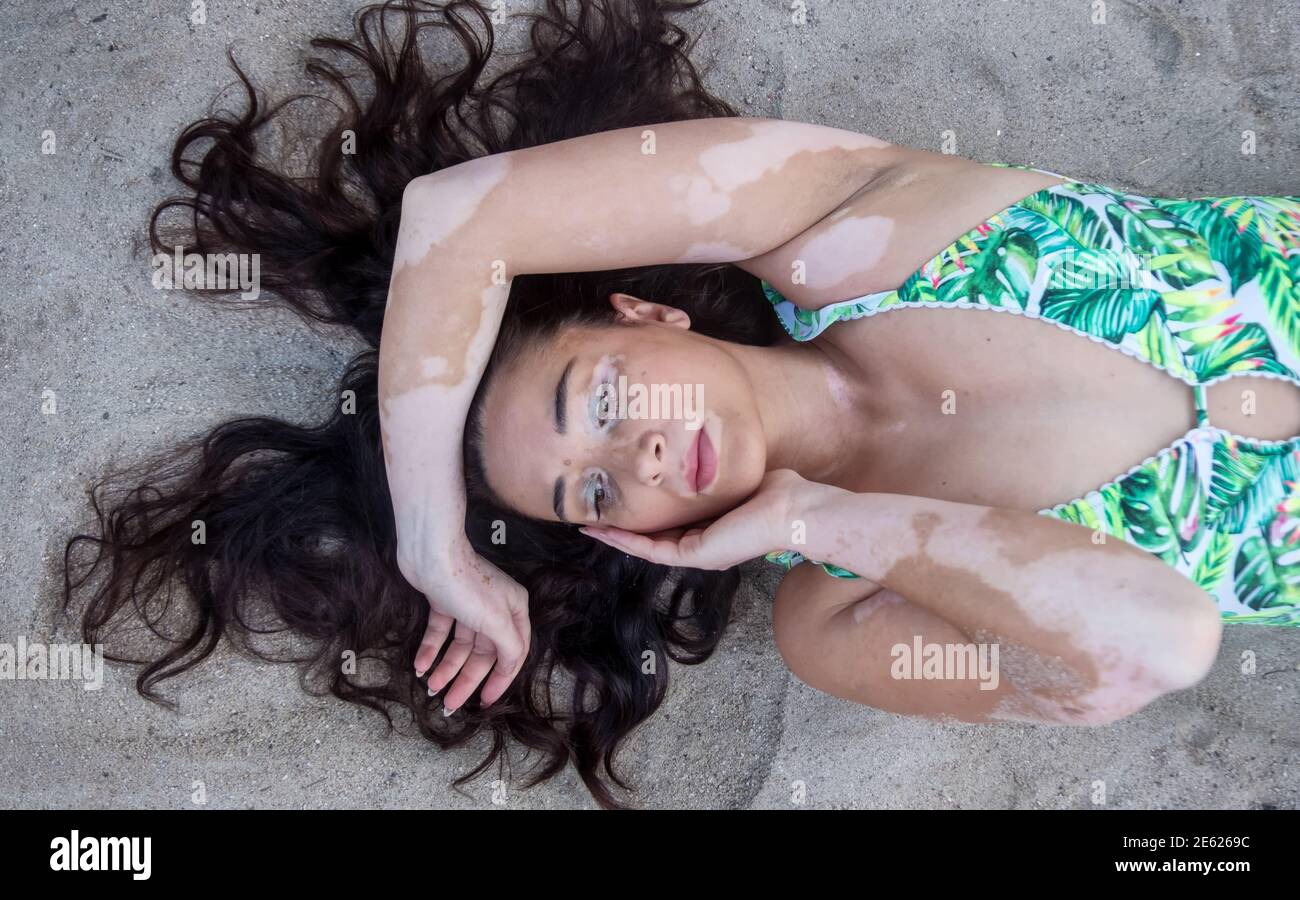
806, 401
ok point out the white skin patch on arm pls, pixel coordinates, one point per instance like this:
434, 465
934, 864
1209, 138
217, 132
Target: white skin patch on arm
1114, 697
598, 242
769, 146
714, 251
457, 199
731, 165
845, 248
1116, 641
704, 202
838, 387
413, 421
433, 366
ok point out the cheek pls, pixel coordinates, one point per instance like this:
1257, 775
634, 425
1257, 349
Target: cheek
649, 510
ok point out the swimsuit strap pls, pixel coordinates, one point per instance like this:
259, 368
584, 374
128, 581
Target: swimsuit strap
1202, 415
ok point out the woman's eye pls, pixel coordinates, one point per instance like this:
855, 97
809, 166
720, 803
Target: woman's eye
597, 493
605, 402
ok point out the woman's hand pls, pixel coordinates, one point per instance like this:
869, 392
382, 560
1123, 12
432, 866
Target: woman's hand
760, 525
490, 612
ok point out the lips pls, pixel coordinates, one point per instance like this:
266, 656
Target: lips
701, 462
706, 468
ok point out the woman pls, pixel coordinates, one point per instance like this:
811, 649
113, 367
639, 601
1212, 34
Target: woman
623, 222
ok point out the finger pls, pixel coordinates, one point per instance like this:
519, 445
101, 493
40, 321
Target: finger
667, 534
508, 666
480, 660
639, 545
462, 642
435, 635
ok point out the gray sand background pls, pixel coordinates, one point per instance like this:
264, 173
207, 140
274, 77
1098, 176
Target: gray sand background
1156, 99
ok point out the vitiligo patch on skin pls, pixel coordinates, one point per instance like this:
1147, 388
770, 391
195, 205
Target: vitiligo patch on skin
453, 201
1077, 663
704, 201
769, 146
714, 251
839, 388
434, 366
1008, 524
411, 421
863, 609
844, 249
1121, 691
461, 334
728, 166
1038, 588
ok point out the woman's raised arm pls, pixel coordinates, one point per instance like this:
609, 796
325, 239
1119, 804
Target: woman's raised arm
696, 191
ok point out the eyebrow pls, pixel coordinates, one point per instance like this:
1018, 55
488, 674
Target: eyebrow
561, 390
557, 498
561, 396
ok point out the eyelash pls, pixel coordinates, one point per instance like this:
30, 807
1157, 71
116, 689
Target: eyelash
593, 485
595, 397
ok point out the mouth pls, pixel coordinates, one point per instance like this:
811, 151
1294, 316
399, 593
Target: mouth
701, 462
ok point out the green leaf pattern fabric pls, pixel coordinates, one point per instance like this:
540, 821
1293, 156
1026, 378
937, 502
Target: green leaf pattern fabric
1204, 289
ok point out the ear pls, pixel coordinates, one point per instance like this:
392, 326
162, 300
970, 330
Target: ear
634, 309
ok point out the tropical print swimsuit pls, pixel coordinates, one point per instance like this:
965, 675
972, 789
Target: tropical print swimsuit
1203, 289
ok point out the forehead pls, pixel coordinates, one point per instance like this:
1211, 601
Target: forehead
521, 448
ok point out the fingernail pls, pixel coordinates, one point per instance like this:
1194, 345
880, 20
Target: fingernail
432, 692
446, 712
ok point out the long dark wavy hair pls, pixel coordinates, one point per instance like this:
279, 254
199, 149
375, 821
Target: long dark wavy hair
298, 526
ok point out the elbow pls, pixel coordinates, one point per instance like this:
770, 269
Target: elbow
1193, 644
1182, 649
420, 190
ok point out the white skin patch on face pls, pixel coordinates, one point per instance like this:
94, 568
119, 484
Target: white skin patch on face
452, 202
607, 370
845, 248
768, 147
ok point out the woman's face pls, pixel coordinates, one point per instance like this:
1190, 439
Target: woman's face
642, 424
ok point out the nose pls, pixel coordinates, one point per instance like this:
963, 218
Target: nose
650, 458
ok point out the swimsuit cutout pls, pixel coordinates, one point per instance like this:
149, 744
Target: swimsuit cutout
1203, 289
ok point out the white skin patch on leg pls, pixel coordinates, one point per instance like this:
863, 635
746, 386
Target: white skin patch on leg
845, 248
453, 201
